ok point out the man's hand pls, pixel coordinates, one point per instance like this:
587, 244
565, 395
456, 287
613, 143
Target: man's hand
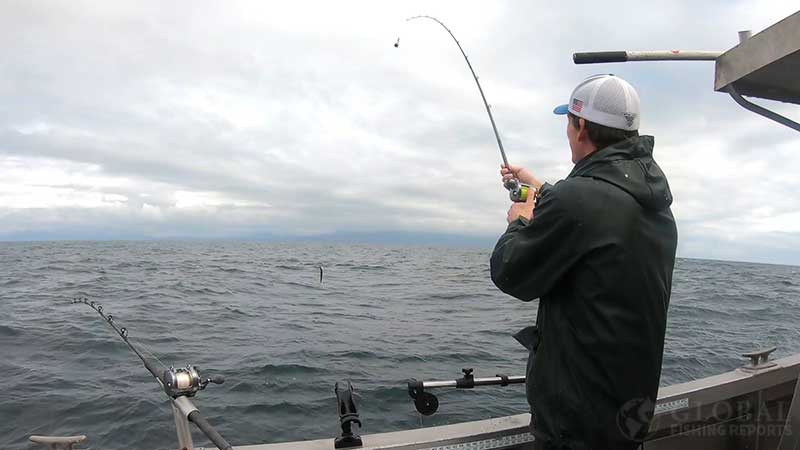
521, 210
520, 173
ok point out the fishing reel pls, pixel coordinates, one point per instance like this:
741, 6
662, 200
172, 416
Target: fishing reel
186, 381
518, 192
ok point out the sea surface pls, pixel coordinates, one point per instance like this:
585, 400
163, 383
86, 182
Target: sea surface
258, 315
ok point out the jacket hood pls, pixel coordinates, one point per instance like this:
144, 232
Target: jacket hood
629, 165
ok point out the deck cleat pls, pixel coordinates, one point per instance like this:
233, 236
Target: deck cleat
58, 442
759, 360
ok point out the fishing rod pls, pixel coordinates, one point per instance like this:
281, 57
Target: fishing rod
179, 384
427, 403
518, 192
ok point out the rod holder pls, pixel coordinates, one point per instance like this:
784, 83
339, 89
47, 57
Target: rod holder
348, 416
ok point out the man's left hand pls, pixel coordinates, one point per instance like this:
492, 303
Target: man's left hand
521, 209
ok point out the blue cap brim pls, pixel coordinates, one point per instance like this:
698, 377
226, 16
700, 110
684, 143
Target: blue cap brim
562, 109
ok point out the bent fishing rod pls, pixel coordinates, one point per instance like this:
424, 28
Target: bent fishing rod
179, 384
518, 192
427, 403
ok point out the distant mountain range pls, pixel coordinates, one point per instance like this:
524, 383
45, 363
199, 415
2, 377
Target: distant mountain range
344, 237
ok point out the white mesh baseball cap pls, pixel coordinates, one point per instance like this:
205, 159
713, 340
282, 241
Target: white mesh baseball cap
606, 100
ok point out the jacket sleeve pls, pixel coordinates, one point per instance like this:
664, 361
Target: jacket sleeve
531, 257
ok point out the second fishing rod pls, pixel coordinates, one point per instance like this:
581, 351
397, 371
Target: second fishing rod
178, 383
517, 191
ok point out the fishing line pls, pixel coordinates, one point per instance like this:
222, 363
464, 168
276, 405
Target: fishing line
149, 352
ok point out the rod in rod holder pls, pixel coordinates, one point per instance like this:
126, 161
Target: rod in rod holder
179, 384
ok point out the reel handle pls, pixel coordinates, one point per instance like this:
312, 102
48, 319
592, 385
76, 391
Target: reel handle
219, 379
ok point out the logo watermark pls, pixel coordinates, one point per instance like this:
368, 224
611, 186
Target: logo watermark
745, 418
633, 419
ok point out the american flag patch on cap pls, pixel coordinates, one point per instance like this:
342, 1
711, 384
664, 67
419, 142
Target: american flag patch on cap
577, 105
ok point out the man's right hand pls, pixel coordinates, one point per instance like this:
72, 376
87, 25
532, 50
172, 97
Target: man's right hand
520, 173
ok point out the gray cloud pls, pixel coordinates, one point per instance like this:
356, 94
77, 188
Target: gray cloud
286, 122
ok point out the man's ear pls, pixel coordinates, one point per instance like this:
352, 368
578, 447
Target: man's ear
582, 133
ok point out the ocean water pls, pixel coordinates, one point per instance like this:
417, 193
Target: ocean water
257, 314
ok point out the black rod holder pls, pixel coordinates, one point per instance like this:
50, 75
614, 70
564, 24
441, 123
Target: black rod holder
348, 415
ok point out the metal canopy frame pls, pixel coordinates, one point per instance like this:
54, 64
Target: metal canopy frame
765, 65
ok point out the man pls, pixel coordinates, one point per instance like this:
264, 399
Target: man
598, 250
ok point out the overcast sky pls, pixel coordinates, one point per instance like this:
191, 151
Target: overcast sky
235, 119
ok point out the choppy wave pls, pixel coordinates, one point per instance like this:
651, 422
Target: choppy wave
257, 314
6, 330
288, 369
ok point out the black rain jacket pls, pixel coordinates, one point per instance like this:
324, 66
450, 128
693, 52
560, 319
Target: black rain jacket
599, 254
